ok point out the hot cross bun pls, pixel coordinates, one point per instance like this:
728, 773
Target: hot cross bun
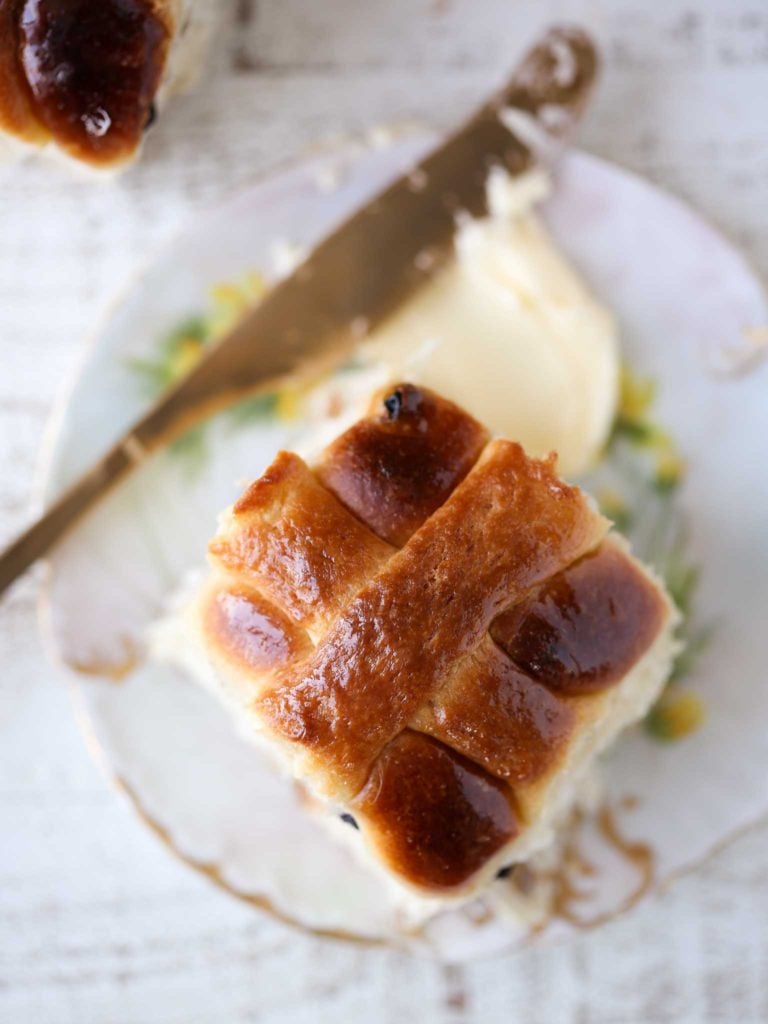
436, 633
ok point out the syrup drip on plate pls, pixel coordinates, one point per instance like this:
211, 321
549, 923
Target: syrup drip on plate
569, 881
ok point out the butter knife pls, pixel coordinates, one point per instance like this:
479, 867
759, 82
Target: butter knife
357, 275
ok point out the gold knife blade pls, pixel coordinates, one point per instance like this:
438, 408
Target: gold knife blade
360, 272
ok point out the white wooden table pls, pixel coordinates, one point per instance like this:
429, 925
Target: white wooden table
97, 924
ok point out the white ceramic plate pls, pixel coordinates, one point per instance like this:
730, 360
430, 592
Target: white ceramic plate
684, 298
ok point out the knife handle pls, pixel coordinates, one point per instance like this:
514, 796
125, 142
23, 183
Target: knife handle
554, 80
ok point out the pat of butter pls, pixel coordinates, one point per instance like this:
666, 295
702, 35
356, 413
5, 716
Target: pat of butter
510, 332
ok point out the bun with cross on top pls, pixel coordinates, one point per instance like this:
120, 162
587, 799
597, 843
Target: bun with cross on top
435, 633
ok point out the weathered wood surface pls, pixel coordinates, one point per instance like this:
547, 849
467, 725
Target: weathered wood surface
97, 924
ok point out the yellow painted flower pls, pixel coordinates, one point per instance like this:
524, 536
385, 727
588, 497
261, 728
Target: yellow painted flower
231, 300
186, 353
634, 422
676, 715
670, 467
636, 395
288, 404
290, 399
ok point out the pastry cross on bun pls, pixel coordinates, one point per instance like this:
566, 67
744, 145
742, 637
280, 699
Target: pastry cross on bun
435, 632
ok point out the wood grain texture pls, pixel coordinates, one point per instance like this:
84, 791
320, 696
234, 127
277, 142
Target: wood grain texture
97, 924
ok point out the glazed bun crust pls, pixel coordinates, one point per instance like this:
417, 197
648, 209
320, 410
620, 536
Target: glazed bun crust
428, 625
83, 74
